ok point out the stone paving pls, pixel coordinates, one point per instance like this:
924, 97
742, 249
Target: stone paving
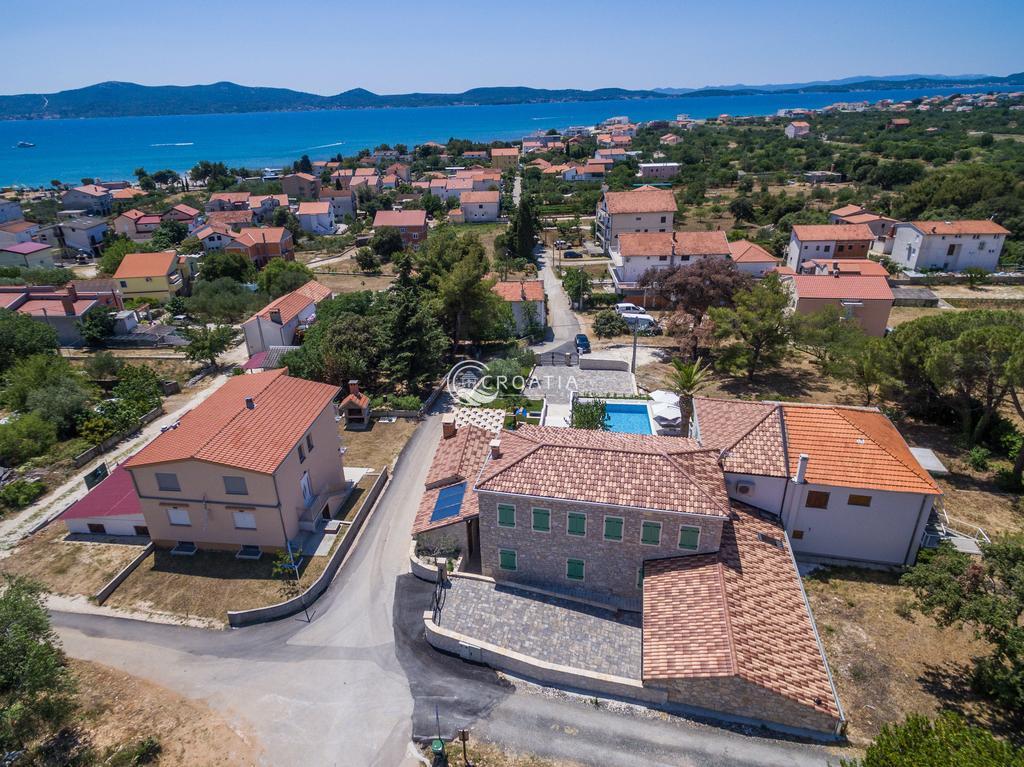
546, 628
555, 382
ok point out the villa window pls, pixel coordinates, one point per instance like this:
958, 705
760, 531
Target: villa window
167, 482
859, 500
235, 486
577, 523
309, 442
574, 569
689, 538
816, 499
506, 515
542, 520
302, 455
508, 559
178, 517
244, 520
613, 528
650, 533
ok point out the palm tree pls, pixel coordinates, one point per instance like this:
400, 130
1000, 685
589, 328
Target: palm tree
686, 379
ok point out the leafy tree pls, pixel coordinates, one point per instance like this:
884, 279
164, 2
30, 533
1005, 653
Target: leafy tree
139, 386
226, 263
386, 241
608, 323
114, 252
742, 209
61, 402
826, 336
168, 235
283, 216
758, 327
97, 325
103, 365
21, 492
26, 437
21, 336
223, 300
279, 277
589, 415
523, 227
686, 379
36, 686
206, 344
864, 365
986, 596
32, 373
468, 306
576, 283
948, 741
367, 260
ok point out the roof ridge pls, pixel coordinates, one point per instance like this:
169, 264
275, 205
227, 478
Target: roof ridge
694, 482
749, 431
927, 477
726, 615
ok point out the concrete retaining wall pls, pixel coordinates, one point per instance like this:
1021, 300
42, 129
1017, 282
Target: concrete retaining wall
596, 363
104, 593
296, 604
83, 458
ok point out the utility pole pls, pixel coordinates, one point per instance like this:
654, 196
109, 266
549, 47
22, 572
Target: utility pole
632, 366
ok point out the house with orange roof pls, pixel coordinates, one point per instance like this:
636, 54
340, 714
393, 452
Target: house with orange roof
403, 171
411, 225
264, 206
863, 297
301, 186
279, 322
150, 275
316, 217
342, 201
62, 309
669, 139
128, 193
751, 258
249, 470
505, 157
220, 201
479, 207
231, 219
646, 209
951, 246
18, 231
807, 241
183, 214
527, 301
260, 244
91, 198
637, 252
798, 129
137, 225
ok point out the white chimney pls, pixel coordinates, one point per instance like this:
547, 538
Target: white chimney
495, 448
801, 469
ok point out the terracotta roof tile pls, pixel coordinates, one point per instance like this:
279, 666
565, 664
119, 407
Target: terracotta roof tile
749, 433
520, 290
747, 252
456, 459
848, 286
146, 265
291, 304
644, 200
832, 232
400, 218
960, 227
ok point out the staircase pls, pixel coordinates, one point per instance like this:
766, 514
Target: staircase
962, 535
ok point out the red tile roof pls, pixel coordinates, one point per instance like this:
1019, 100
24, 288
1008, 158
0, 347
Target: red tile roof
520, 290
643, 200
853, 447
509, 152
92, 190
847, 210
275, 235
747, 617
746, 252
748, 433
864, 266
399, 218
647, 472
291, 304
832, 232
113, 497
456, 459
231, 197
223, 430
314, 208
479, 197
960, 227
848, 286
146, 265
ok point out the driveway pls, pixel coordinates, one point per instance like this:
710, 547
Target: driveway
557, 382
562, 323
357, 683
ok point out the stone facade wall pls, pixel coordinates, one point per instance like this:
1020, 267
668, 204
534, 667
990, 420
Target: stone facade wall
444, 539
738, 697
611, 566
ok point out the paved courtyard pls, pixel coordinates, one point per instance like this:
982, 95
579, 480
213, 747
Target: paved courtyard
555, 382
549, 629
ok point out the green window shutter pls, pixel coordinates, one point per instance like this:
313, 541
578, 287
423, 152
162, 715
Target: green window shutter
507, 559
689, 538
613, 528
577, 523
506, 515
574, 569
542, 520
650, 533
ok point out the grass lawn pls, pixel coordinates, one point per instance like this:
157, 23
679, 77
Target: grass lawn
350, 282
68, 567
888, 660
487, 233
377, 446
355, 499
208, 584
116, 709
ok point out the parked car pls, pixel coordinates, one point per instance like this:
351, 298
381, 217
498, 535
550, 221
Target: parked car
582, 344
572, 254
640, 321
561, 244
629, 309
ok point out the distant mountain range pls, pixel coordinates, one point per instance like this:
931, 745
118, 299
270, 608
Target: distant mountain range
118, 99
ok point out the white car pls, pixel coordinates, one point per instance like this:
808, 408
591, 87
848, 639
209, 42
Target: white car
629, 309
639, 321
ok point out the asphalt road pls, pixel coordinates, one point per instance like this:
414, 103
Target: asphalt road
563, 325
355, 685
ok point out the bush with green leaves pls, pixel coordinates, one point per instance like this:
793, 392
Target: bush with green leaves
103, 366
589, 415
608, 323
367, 260
279, 277
978, 457
21, 336
20, 493
26, 437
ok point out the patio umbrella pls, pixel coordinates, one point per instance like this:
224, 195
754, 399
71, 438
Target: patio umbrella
665, 397
666, 414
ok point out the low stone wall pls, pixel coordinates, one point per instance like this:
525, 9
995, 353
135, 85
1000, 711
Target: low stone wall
596, 363
96, 450
240, 618
104, 593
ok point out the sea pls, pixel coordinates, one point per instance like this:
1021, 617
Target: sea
112, 148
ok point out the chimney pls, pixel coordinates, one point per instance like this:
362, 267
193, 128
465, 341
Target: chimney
275, 316
353, 387
250, 403
495, 448
835, 270
801, 469
448, 427
69, 305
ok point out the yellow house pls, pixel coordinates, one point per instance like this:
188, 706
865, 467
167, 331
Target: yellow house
150, 275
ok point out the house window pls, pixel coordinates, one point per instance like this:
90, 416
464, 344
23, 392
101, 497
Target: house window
302, 455
613, 528
828, 248
650, 533
235, 486
542, 520
245, 520
506, 515
859, 500
689, 537
663, 258
507, 559
574, 569
178, 517
124, 284
168, 482
97, 529
951, 250
663, 220
816, 499
309, 442
577, 523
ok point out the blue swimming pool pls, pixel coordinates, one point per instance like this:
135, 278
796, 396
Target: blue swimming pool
627, 417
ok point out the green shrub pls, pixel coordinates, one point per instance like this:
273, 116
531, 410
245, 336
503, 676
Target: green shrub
21, 492
608, 324
604, 299
978, 458
26, 437
589, 415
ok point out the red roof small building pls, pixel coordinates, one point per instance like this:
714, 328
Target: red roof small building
355, 407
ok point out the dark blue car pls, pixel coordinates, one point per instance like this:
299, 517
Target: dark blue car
582, 344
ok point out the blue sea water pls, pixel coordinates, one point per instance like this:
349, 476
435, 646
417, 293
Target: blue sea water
111, 148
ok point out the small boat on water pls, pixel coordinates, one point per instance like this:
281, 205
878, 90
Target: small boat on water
24, 145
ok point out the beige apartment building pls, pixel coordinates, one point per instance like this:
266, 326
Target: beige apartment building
247, 470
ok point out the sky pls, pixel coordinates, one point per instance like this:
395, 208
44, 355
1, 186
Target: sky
399, 46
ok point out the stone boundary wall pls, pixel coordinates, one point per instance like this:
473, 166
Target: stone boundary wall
104, 593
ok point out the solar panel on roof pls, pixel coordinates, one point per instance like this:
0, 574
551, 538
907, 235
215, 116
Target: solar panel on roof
448, 503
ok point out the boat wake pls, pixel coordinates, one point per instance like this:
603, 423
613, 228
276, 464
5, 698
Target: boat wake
176, 143
325, 146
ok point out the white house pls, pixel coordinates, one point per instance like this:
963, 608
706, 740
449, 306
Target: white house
10, 211
798, 129
658, 171
841, 479
111, 508
951, 246
751, 258
526, 297
316, 217
30, 255
18, 231
639, 251
478, 207
214, 237
276, 323
645, 209
812, 241
90, 198
342, 201
84, 233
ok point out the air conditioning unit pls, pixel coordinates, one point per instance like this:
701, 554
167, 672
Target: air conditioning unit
744, 488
